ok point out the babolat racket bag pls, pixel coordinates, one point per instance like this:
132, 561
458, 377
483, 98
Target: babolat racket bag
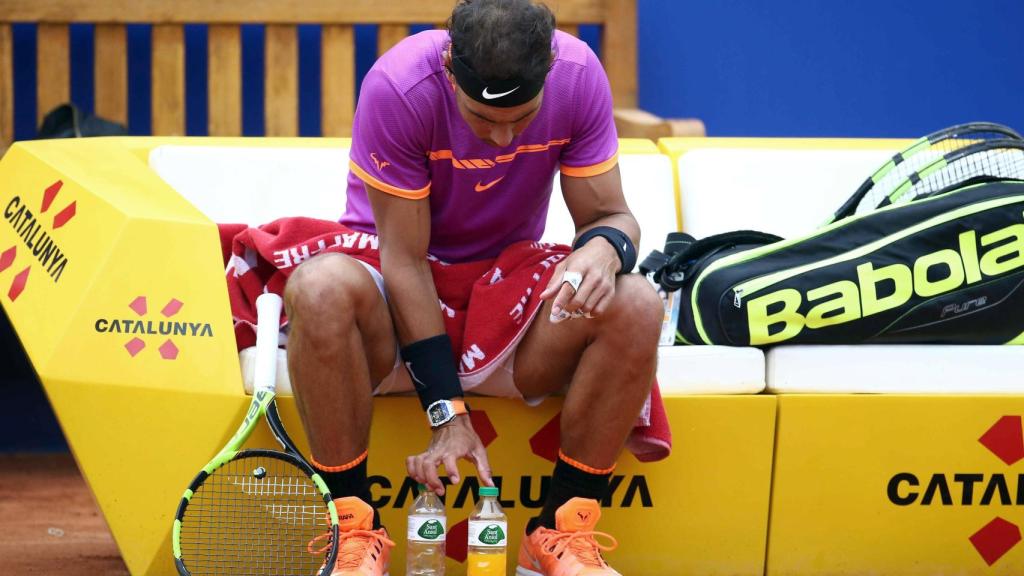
941, 261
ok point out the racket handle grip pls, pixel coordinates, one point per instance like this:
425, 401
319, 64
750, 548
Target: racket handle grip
268, 324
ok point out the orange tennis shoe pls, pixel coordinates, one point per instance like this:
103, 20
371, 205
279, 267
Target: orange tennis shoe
571, 548
362, 551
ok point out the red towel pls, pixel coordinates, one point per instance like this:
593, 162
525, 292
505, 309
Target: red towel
486, 305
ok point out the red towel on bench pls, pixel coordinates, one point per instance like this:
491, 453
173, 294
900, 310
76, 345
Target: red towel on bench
486, 305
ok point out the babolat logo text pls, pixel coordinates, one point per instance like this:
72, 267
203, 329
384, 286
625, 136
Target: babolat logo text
1005, 440
776, 316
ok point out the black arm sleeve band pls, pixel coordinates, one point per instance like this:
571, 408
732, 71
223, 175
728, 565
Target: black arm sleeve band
618, 239
431, 365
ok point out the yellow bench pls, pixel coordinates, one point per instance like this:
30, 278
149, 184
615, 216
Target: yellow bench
888, 459
142, 416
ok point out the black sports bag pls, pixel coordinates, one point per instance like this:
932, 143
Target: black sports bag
943, 262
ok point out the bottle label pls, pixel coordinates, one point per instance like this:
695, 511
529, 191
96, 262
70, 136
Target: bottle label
488, 533
426, 529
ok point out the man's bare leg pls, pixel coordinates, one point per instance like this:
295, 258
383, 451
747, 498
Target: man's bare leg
341, 344
609, 363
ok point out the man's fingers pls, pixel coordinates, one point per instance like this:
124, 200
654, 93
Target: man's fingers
421, 471
451, 468
483, 467
561, 308
599, 297
602, 305
430, 464
553, 284
412, 469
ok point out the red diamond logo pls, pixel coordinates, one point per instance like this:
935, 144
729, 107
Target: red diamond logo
995, 539
484, 429
139, 306
64, 216
455, 541
134, 346
1005, 439
545, 442
7, 258
50, 194
168, 351
172, 308
18, 285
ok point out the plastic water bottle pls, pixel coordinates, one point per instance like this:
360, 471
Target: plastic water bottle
488, 536
427, 529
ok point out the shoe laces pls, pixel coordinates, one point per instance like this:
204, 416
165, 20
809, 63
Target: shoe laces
352, 546
583, 545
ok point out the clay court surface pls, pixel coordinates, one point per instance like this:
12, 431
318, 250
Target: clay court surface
49, 522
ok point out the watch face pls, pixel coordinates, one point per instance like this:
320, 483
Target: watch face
438, 412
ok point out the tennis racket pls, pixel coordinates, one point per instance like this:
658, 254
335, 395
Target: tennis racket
878, 190
255, 512
980, 162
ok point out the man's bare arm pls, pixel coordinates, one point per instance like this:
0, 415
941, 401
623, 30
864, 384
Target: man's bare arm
598, 201
592, 201
404, 229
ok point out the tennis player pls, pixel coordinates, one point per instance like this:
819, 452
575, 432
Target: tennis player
457, 137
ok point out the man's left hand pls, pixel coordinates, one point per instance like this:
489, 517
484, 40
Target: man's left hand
596, 262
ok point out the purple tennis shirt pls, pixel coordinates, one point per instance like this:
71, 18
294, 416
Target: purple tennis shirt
408, 139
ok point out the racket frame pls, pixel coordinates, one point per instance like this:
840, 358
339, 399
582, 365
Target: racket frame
939, 163
920, 145
263, 404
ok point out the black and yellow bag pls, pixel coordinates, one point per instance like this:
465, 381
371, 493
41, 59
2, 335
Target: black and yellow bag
942, 260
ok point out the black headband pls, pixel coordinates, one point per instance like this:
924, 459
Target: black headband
499, 93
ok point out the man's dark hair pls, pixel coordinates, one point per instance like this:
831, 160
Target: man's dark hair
503, 39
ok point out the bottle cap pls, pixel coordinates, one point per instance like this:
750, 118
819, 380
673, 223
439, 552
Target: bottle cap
421, 488
488, 491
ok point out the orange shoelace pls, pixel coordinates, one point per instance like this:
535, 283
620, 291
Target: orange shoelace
583, 545
352, 546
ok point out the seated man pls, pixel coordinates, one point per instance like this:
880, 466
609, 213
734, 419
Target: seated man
456, 139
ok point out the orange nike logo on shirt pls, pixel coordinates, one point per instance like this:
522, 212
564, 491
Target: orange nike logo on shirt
482, 187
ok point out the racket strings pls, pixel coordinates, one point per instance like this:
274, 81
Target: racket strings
880, 193
1003, 163
253, 515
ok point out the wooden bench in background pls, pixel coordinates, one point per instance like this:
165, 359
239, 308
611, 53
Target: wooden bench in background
617, 19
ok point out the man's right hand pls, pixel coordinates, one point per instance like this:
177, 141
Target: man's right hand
449, 443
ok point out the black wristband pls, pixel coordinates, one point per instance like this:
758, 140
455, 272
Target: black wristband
431, 365
619, 240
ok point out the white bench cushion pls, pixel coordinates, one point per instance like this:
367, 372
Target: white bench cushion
255, 185
784, 192
685, 370
682, 370
896, 369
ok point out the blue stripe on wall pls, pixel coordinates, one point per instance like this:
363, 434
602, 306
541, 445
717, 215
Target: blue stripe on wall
252, 79
309, 80
23, 47
82, 58
196, 81
140, 40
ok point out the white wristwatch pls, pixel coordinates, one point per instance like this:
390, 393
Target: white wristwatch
444, 411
